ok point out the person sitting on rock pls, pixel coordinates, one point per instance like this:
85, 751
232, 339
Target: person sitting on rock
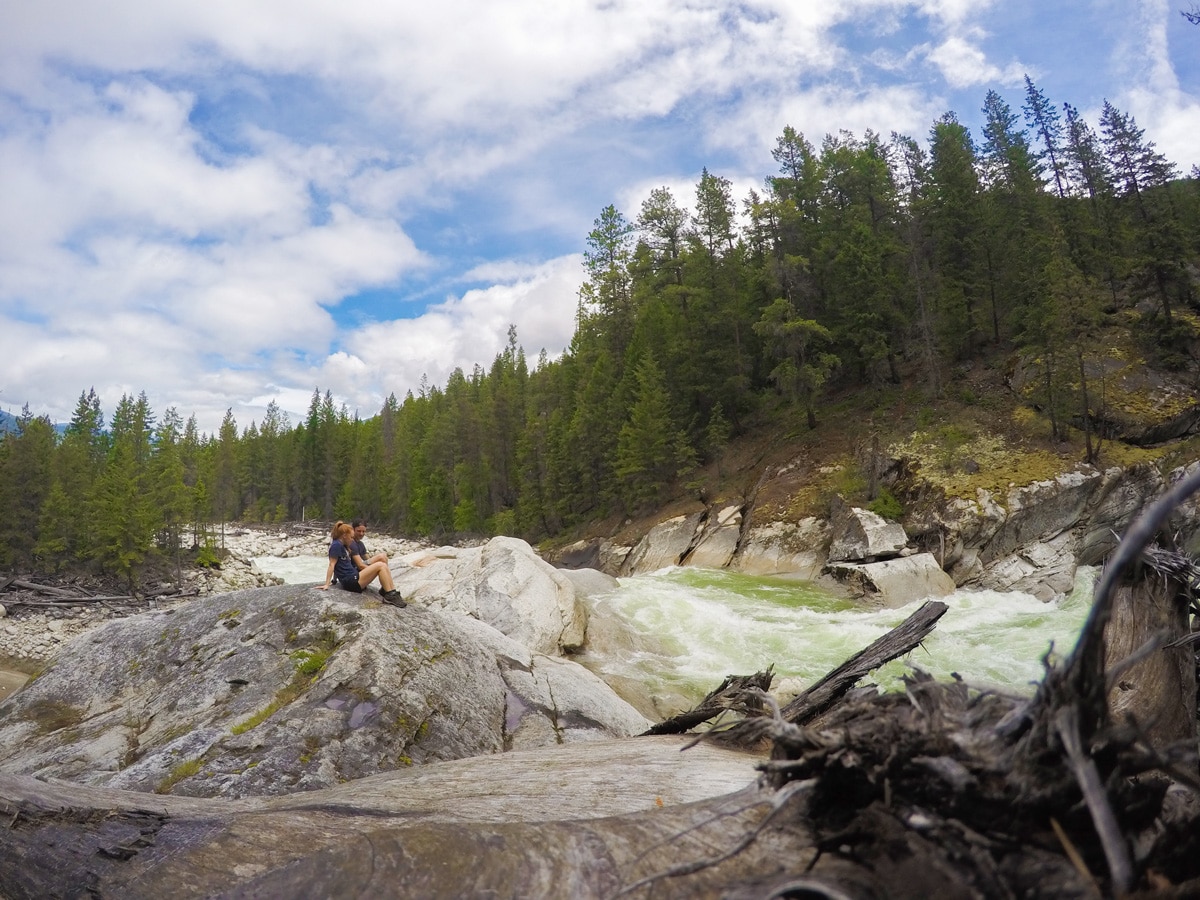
359, 549
342, 570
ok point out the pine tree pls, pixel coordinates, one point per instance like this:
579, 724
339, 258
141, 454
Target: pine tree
648, 448
24, 483
121, 514
171, 496
75, 467
799, 345
1142, 174
1042, 116
954, 230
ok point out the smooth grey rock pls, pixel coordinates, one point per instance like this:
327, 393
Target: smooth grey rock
1045, 569
503, 583
152, 702
966, 567
663, 545
1041, 510
552, 700
718, 541
573, 822
895, 582
859, 535
590, 583
784, 548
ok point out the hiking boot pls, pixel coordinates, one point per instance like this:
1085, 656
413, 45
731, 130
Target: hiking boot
394, 598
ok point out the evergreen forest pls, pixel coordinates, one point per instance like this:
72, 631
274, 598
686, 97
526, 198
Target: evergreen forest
861, 261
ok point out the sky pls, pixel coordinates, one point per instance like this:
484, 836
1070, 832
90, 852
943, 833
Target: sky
225, 203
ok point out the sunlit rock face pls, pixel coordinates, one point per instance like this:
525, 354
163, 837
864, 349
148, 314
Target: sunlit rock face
503, 583
282, 689
859, 535
894, 582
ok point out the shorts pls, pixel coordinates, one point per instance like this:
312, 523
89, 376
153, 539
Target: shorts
350, 584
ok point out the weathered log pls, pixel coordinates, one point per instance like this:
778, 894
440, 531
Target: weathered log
1156, 689
829, 690
42, 588
71, 601
740, 693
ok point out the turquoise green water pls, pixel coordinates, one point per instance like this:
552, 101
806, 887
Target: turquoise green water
679, 632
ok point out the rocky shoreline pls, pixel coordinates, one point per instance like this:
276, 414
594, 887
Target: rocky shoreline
1032, 540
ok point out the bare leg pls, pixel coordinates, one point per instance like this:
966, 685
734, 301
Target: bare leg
380, 571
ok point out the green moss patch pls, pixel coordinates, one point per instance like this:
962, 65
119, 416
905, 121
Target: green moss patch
185, 769
53, 715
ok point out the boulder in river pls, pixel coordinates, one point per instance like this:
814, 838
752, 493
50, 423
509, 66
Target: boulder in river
894, 582
503, 583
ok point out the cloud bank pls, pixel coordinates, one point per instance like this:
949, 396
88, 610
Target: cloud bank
228, 203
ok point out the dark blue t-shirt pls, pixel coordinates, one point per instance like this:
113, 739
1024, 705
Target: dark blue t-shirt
357, 547
343, 569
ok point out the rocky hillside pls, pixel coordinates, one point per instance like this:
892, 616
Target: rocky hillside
981, 490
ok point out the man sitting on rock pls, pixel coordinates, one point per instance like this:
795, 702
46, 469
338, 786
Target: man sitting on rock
360, 549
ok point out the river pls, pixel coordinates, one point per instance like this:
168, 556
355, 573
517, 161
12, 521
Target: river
678, 632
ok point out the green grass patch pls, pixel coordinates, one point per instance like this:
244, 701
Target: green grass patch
185, 769
310, 661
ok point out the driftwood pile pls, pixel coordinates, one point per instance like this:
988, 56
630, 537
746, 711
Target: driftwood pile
16, 591
939, 791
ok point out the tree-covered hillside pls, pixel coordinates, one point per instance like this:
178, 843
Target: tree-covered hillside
863, 260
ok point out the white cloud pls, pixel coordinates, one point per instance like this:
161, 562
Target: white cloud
461, 332
963, 64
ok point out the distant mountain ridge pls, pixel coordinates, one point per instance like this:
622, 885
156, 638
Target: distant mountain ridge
8, 422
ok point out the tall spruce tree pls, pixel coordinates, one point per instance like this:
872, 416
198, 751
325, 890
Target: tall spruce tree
1141, 175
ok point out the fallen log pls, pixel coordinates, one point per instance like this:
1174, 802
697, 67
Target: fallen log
744, 693
906, 636
41, 588
72, 601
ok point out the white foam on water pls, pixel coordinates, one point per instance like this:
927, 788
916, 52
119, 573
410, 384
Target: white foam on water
293, 569
682, 630
694, 627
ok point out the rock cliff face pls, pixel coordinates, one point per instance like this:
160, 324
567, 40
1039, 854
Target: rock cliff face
279, 689
1031, 539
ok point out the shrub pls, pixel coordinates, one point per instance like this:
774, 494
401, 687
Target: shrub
886, 505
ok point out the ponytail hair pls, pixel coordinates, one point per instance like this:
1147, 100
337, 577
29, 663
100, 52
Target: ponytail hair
339, 529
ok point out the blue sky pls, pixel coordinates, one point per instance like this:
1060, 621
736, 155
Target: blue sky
228, 202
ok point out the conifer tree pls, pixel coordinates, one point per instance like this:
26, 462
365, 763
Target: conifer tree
1042, 116
954, 230
24, 483
1141, 175
649, 445
799, 345
122, 514
74, 469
